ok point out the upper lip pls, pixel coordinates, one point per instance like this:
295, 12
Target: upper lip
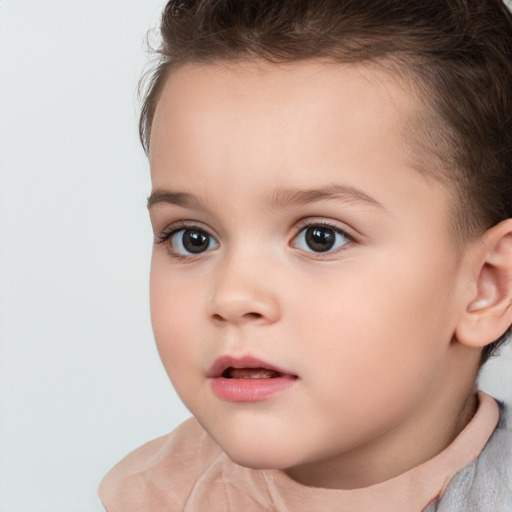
224, 362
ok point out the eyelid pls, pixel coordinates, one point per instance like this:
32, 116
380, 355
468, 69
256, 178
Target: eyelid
174, 227
324, 222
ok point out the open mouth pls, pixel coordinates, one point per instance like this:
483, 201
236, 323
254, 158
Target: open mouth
245, 367
250, 373
247, 379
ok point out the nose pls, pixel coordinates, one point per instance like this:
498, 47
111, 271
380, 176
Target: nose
243, 292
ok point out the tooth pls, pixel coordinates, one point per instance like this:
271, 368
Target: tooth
259, 375
252, 373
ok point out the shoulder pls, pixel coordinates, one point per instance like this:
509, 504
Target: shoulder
164, 469
486, 483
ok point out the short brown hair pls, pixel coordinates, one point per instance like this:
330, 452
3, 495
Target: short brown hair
458, 52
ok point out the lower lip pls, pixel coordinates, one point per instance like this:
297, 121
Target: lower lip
250, 390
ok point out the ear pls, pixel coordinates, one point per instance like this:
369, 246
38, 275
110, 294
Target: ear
488, 313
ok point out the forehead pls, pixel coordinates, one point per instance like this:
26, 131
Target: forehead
255, 122
200, 99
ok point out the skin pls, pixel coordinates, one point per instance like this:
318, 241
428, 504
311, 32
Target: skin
369, 328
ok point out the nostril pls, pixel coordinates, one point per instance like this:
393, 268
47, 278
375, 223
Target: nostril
246, 316
253, 316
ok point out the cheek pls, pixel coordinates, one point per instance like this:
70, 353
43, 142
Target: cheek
174, 316
381, 318
378, 339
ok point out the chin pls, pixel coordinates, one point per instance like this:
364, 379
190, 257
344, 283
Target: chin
259, 443
260, 456
259, 461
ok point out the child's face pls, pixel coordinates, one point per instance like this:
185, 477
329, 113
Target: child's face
304, 238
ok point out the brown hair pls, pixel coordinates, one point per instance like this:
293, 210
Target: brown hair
458, 54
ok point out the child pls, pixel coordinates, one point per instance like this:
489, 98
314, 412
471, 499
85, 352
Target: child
332, 209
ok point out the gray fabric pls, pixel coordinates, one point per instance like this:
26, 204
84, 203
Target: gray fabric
485, 485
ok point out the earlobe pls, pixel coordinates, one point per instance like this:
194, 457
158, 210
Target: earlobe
489, 312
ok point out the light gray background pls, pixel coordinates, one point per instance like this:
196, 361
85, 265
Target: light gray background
80, 380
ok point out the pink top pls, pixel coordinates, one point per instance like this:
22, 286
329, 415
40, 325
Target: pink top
187, 471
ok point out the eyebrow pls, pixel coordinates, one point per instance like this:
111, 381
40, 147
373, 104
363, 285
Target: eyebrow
160, 196
280, 199
285, 198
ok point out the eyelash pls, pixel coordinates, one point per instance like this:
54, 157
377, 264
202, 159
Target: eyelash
169, 231
165, 236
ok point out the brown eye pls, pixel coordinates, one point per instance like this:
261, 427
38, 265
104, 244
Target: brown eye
192, 241
318, 238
